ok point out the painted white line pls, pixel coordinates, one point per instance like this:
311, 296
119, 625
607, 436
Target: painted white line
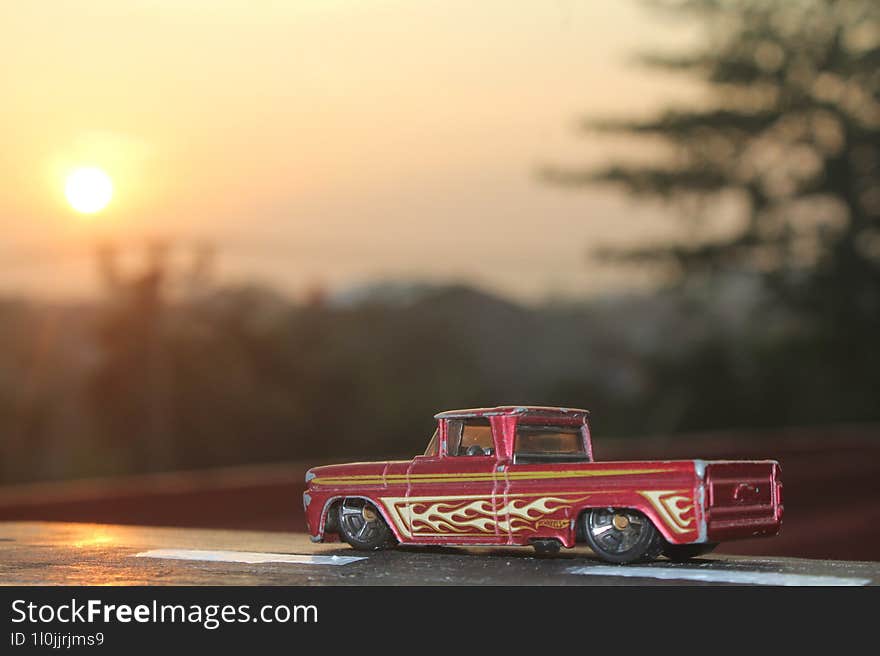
715, 575
248, 557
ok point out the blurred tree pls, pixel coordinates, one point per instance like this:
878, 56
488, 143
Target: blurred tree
131, 385
788, 138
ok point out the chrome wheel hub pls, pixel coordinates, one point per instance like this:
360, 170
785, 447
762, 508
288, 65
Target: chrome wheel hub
359, 519
616, 530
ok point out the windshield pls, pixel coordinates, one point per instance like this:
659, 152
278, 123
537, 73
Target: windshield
432, 449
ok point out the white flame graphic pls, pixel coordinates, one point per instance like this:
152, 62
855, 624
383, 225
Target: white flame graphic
479, 515
672, 507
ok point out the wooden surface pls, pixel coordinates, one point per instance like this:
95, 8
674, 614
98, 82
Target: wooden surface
37, 553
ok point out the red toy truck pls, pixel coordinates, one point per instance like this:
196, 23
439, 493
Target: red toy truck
525, 475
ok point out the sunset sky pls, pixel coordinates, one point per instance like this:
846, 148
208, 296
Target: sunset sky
337, 141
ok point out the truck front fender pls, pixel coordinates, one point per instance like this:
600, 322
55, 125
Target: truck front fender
322, 534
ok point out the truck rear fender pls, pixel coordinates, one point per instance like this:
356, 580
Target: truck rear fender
647, 509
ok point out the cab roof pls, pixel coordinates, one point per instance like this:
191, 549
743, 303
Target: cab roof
514, 410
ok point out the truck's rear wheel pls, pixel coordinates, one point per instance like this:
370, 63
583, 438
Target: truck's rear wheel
362, 526
621, 535
679, 553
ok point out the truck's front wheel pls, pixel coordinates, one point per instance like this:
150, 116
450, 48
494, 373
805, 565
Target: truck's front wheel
621, 535
362, 526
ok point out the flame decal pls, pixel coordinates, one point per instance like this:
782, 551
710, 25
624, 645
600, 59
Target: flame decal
450, 518
473, 517
676, 508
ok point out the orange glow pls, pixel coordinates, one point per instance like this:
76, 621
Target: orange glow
95, 538
364, 129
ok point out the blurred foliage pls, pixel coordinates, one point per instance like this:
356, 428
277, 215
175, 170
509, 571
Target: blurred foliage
237, 376
775, 173
786, 138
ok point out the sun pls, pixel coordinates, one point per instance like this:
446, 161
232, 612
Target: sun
88, 189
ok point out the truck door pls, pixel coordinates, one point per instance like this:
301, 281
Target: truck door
453, 497
540, 495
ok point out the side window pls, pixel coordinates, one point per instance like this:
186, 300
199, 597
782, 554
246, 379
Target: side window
537, 443
434, 444
470, 437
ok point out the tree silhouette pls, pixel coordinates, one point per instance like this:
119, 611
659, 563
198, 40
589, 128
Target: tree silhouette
789, 137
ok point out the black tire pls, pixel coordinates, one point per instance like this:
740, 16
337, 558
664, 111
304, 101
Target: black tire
362, 526
680, 553
621, 535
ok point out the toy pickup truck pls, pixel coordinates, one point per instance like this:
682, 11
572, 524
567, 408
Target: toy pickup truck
525, 475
